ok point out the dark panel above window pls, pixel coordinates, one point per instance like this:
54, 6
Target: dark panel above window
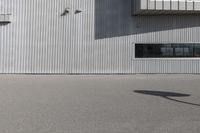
167, 50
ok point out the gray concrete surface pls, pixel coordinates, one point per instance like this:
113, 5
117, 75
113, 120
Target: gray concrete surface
98, 104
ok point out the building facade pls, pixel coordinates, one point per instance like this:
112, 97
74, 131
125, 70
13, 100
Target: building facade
99, 36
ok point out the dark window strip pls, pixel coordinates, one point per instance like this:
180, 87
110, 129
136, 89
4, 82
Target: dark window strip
167, 50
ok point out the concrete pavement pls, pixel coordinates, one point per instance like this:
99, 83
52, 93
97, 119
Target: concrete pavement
99, 104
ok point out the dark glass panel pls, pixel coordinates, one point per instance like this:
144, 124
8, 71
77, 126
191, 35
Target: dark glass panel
197, 50
167, 50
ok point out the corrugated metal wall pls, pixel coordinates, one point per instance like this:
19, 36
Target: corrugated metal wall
100, 39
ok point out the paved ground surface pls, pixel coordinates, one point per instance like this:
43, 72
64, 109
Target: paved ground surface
100, 104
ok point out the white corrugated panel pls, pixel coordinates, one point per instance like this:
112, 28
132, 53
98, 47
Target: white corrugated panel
100, 39
153, 7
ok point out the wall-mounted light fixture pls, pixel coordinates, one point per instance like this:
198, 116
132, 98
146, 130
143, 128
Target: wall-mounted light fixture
78, 11
65, 12
5, 18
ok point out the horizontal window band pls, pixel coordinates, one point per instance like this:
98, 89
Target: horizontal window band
173, 50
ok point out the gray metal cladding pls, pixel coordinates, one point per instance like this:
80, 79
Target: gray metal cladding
100, 39
185, 66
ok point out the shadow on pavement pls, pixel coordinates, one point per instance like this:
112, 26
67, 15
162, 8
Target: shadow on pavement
166, 95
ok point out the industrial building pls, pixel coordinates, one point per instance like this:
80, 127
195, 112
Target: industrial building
99, 36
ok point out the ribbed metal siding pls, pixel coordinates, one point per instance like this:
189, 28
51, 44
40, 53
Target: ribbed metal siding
185, 66
98, 40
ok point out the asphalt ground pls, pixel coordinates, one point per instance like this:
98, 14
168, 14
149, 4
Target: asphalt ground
100, 104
